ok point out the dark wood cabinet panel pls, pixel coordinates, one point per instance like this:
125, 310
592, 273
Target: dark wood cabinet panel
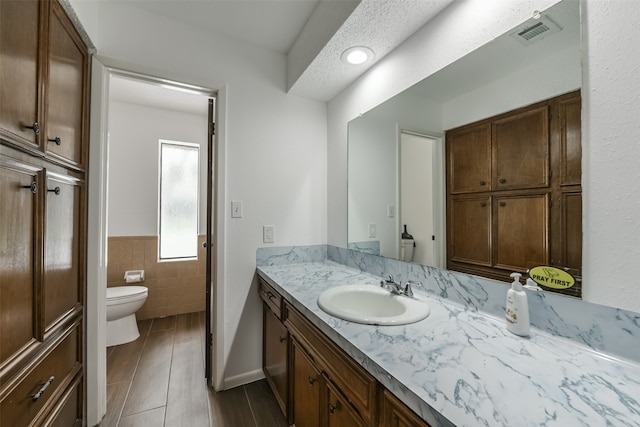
521, 232
341, 413
571, 250
570, 111
44, 81
44, 382
63, 236
470, 232
395, 414
275, 342
469, 159
67, 83
19, 257
520, 150
20, 71
306, 387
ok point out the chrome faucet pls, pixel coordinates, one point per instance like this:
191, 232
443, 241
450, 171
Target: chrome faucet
390, 285
396, 288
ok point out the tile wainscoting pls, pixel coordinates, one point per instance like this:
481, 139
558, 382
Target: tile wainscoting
175, 287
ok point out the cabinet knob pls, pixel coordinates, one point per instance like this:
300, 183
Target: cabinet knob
38, 395
312, 381
57, 140
503, 203
34, 127
54, 190
483, 183
483, 204
283, 339
333, 408
502, 180
33, 187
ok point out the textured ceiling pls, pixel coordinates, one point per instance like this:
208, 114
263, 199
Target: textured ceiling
380, 25
280, 25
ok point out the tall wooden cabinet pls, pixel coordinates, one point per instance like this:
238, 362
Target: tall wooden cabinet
514, 191
44, 69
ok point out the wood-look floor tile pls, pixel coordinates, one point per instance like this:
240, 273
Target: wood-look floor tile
187, 403
151, 418
230, 408
163, 323
188, 328
151, 381
123, 359
116, 396
266, 410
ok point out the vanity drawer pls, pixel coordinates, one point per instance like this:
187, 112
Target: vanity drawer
271, 298
35, 393
350, 378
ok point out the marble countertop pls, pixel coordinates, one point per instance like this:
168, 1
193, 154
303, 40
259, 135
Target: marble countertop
463, 368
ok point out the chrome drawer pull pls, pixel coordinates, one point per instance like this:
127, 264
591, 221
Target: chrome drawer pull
35, 127
33, 187
37, 396
57, 140
54, 190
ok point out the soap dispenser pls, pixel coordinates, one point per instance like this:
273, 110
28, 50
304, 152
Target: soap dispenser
517, 308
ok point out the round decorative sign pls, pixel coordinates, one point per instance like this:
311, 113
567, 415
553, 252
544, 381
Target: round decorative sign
551, 277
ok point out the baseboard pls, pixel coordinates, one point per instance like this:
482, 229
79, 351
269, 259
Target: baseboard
242, 379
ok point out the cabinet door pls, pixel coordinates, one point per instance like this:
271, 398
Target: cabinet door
470, 230
307, 384
62, 247
19, 259
66, 90
341, 413
521, 232
275, 357
571, 253
570, 141
469, 159
19, 90
396, 414
521, 150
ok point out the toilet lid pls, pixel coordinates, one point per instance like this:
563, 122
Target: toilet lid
123, 292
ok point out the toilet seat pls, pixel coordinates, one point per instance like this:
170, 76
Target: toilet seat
119, 294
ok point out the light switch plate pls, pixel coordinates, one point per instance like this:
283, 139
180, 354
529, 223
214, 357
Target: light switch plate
391, 211
372, 231
236, 209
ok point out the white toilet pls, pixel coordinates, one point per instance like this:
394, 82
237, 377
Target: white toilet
122, 304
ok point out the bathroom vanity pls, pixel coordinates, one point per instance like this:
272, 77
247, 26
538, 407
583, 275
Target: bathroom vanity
459, 366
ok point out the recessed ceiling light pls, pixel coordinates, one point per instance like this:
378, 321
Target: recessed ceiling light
357, 55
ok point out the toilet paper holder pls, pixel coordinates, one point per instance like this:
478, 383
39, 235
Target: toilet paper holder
134, 276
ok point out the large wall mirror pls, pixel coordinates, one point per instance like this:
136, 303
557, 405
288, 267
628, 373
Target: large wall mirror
396, 169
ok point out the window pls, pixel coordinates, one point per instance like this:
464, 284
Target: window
178, 222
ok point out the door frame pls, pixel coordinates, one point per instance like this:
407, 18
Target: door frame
438, 180
95, 314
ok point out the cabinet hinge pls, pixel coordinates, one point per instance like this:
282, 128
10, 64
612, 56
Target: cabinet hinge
433, 237
210, 340
550, 203
212, 128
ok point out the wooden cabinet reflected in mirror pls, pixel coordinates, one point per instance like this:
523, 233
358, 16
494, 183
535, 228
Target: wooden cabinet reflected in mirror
514, 191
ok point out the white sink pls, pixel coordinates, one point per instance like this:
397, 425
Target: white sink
372, 305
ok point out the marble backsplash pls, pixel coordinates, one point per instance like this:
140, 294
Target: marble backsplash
605, 329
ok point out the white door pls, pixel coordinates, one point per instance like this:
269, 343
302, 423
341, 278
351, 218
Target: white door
417, 194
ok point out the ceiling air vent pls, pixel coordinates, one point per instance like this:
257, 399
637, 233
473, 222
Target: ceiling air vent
534, 31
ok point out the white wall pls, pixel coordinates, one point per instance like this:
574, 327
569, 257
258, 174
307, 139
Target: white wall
274, 148
134, 134
611, 90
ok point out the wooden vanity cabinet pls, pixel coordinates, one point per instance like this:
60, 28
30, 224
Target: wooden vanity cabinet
514, 191
307, 384
394, 413
275, 346
42, 216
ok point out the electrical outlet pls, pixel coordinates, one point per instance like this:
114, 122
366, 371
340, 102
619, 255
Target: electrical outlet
372, 231
268, 233
236, 209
